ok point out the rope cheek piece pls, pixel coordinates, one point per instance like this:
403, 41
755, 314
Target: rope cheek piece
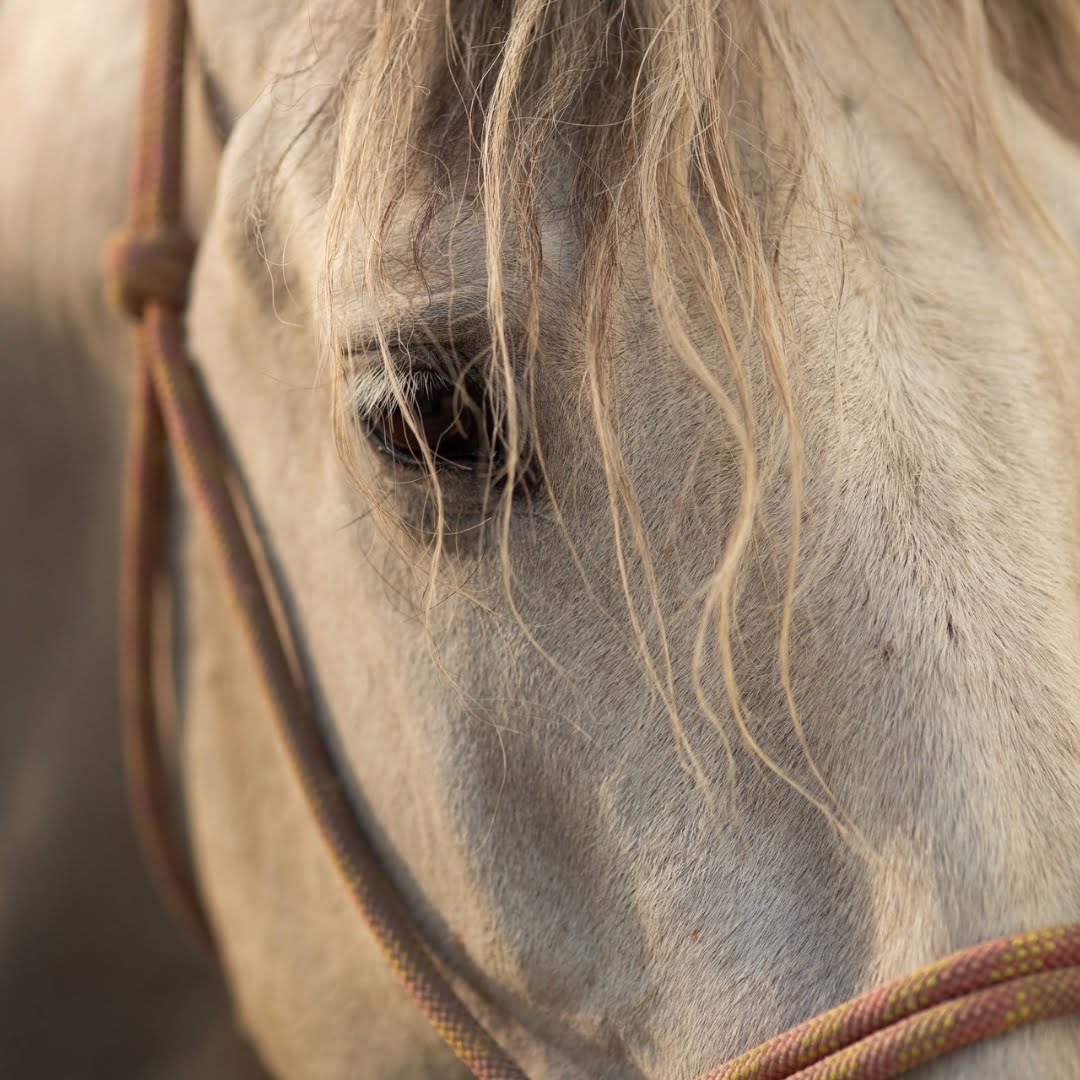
982, 991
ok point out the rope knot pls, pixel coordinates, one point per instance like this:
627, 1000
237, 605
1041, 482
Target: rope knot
148, 267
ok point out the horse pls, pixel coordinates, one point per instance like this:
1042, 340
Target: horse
660, 418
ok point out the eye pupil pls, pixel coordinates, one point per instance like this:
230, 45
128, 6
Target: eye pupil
442, 421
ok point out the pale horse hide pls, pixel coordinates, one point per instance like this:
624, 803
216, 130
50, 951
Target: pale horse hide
733, 279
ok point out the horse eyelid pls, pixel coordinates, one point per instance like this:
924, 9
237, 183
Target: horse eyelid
371, 388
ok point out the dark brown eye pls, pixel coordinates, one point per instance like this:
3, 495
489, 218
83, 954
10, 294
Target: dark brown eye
438, 418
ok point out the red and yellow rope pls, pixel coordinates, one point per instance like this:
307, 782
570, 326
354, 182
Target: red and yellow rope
986, 990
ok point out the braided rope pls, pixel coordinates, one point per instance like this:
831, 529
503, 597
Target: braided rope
979, 992
155, 186
147, 277
985, 990
928, 1035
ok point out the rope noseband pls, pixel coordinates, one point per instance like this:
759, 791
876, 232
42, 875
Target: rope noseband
981, 991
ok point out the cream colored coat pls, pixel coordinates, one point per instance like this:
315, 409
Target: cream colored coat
611, 915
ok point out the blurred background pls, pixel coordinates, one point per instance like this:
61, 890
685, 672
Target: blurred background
95, 980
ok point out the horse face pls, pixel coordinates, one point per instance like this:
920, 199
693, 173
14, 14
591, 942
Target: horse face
653, 790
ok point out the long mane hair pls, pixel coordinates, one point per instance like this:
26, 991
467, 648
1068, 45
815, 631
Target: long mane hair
639, 114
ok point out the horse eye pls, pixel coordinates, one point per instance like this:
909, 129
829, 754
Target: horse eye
441, 419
